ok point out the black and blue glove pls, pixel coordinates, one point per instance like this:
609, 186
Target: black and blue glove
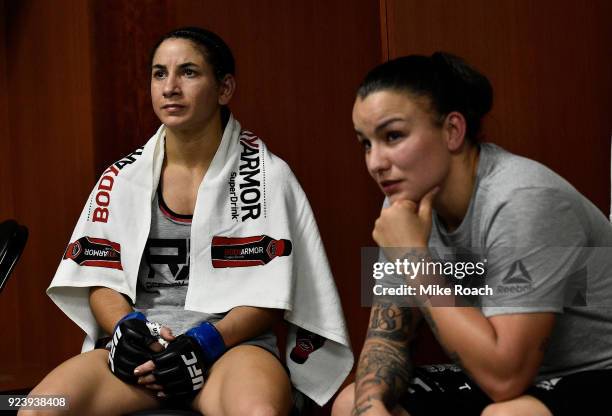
131, 340
182, 367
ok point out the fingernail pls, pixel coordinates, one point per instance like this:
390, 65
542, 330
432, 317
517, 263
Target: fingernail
161, 394
136, 371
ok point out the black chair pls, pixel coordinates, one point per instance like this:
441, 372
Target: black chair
13, 238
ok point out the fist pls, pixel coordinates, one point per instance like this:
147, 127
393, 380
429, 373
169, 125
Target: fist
403, 225
181, 368
131, 340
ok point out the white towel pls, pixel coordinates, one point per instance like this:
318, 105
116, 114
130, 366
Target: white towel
246, 192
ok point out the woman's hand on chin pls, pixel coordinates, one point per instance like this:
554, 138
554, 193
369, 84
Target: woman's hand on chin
404, 225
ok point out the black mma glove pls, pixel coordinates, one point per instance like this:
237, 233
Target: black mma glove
183, 366
130, 346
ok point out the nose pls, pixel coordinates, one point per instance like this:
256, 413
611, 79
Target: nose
171, 86
377, 160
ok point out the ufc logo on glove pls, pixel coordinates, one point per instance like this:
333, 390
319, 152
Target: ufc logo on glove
196, 374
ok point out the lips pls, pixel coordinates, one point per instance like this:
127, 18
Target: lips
173, 107
390, 186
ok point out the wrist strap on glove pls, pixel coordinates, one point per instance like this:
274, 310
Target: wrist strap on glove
210, 341
132, 315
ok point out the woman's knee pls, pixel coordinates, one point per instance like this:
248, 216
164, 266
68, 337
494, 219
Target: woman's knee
64, 381
91, 388
248, 406
45, 412
247, 380
524, 405
259, 408
78, 374
496, 409
344, 403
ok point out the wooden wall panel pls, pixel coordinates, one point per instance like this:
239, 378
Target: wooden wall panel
6, 185
47, 89
549, 63
7, 303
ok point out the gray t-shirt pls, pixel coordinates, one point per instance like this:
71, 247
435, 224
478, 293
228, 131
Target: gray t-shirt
163, 276
548, 249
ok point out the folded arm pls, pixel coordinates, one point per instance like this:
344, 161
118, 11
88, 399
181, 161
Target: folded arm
502, 353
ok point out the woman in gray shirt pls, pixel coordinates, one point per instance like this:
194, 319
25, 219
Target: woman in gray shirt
534, 337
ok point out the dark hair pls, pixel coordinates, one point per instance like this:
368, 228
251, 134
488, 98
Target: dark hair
215, 50
447, 80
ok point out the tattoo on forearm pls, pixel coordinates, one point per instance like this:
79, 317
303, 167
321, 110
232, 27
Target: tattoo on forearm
389, 365
362, 408
387, 321
385, 317
384, 366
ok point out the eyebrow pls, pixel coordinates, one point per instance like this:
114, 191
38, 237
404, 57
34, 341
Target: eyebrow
383, 125
386, 123
185, 65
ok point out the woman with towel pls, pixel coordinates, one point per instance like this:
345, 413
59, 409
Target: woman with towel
538, 342
224, 363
